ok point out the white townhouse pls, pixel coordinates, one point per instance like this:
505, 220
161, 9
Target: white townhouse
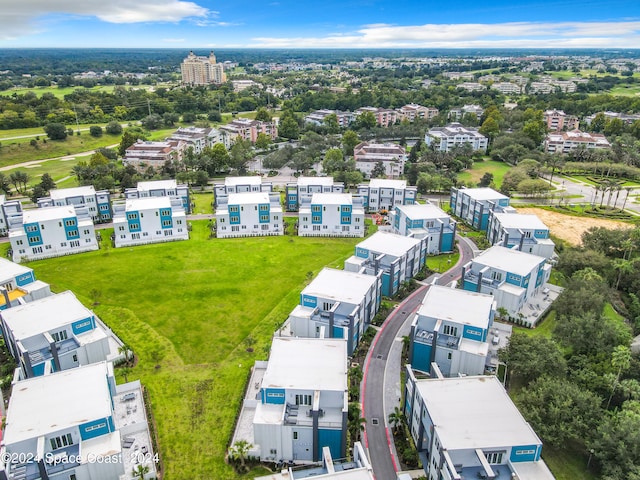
564, 142
56, 333
196, 138
9, 211
457, 113
318, 117
247, 129
399, 258
384, 194
143, 155
52, 232
18, 285
337, 304
468, 428
138, 221
452, 329
98, 203
303, 400
412, 111
252, 214
161, 188
358, 468
302, 191
456, 135
526, 232
76, 424
252, 183
368, 155
517, 281
331, 215
473, 205
425, 221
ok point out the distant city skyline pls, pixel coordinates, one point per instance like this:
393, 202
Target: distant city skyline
203, 24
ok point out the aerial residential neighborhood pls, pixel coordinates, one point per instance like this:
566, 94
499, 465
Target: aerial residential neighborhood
347, 254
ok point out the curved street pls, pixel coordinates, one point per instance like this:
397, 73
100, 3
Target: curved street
381, 389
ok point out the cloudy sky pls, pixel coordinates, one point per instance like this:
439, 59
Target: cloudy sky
320, 23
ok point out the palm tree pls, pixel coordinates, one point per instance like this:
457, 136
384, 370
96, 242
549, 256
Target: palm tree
140, 471
396, 418
239, 451
620, 359
126, 351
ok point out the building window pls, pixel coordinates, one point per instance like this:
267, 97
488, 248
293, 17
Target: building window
31, 228
72, 233
295, 435
327, 306
449, 330
132, 216
59, 336
494, 457
61, 441
303, 399
75, 357
496, 276
70, 223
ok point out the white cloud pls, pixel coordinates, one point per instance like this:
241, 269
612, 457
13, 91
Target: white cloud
500, 35
21, 18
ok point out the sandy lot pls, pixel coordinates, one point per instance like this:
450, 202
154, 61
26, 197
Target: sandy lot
570, 228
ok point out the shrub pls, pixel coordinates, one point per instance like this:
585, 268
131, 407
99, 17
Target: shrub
95, 131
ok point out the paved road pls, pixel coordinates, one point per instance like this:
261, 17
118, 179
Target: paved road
381, 382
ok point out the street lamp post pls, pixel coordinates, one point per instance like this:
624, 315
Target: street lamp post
591, 452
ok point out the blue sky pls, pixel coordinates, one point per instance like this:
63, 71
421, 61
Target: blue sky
320, 23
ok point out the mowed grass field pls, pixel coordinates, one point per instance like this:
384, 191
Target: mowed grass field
189, 310
475, 173
61, 92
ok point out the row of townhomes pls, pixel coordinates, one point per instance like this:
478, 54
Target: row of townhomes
460, 416
64, 222
66, 417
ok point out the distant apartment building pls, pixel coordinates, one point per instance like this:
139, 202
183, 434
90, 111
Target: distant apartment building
18, 285
303, 400
452, 329
473, 205
425, 221
8, 210
458, 75
240, 185
59, 425
515, 279
251, 214
525, 232
412, 111
469, 428
139, 221
161, 188
456, 114
557, 120
355, 468
564, 142
97, 203
627, 118
337, 304
200, 70
471, 86
507, 88
52, 232
247, 129
385, 194
56, 333
240, 85
144, 154
196, 138
331, 215
302, 191
456, 135
318, 117
399, 259
384, 116
392, 156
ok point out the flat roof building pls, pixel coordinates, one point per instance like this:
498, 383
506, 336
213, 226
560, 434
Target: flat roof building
161, 188
473, 205
18, 285
252, 183
303, 190
526, 232
455, 135
331, 215
425, 221
97, 203
250, 214
382, 195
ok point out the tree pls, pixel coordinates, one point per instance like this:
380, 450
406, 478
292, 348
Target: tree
218, 158
55, 131
288, 126
129, 137
263, 115
366, 120
331, 123
38, 192
241, 152
379, 171
560, 411
279, 158
239, 451
620, 361
113, 128
140, 471
490, 128
152, 122
528, 358
349, 140
95, 131
616, 441
554, 162
5, 185
486, 180
263, 141
396, 418
19, 181
47, 182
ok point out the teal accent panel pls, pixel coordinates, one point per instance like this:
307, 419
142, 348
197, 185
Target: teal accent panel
447, 242
362, 252
273, 395
541, 233
338, 332
470, 286
25, 279
95, 428
386, 285
525, 453
34, 237
514, 279
331, 439
421, 359
38, 370
474, 333
84, 325
71, 228
308, 301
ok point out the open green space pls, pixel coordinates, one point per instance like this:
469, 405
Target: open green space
190, 310
585, 73
202, 202
61, 92
626, 90
441, 263
475, 173
567, 465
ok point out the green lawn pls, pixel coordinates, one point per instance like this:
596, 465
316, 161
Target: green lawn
475, 173
61, 92
189, 307
203, 202
440, 263
567, 465
626, 90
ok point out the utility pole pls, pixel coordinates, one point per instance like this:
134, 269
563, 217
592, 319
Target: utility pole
77, 124
149, 105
